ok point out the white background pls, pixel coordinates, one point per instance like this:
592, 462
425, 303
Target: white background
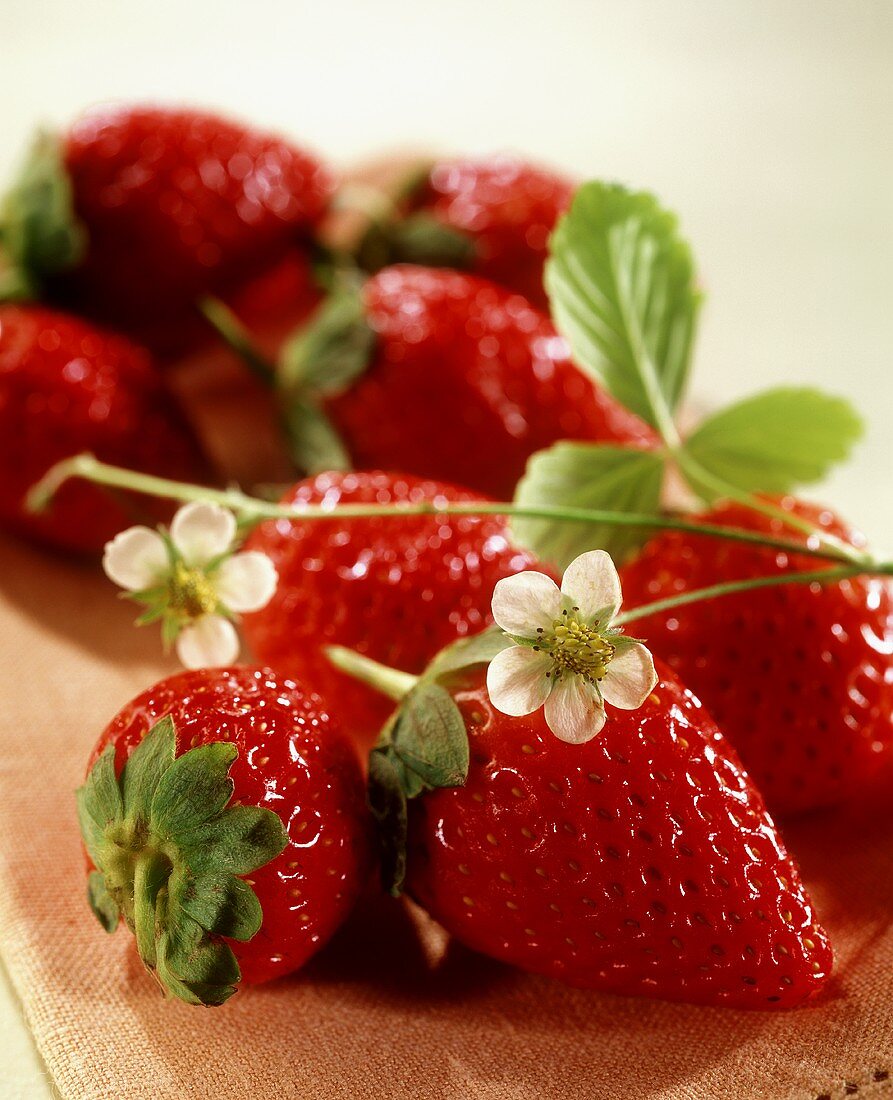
765, 123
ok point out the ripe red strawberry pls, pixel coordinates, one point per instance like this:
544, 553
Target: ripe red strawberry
642, 862
799, 678
67, 387
177, 204
397, 590
465, 382
173, 860
508, 208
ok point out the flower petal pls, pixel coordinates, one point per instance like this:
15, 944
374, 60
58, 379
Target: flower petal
246, 582
524, 602
208, 643
517, 681
574, 712
201, 531
630, 678
136, 558
591, 583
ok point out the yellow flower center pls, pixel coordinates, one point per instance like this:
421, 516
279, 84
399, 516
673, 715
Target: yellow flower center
191, 593
577, 648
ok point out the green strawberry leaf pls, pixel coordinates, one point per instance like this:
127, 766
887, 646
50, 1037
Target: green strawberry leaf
314, 444
621, 284
776, 440
589, 476
40, 232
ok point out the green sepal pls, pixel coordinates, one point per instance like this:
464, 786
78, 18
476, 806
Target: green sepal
41, 234
167, 848
144, 768
313, 442
104, 906
194, 966
424, 746
334, 349
99, 803
194, 789
387, 801
587, 476
219, 902
774, 441
418, 238
478, 649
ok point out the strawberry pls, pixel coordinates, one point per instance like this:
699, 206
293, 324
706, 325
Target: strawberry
799, 678
67, 387
509, 208
204, 779
175, 204
396, 589
642, 862
449, 377
491, 216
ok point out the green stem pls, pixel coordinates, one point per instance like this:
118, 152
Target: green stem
729, 588
389, 681
699, 478
252, 509
233, 332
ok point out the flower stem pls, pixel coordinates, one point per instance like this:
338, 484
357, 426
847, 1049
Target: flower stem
252, 509
389, 681
728, 588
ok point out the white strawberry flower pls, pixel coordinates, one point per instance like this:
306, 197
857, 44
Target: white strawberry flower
568, 657
193, 580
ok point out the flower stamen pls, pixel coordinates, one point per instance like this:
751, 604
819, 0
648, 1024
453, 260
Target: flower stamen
191, 592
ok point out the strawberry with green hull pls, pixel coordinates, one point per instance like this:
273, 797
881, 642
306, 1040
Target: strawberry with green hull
396, 589
442, 375
66, 387
492, 216
152, 209
799, 678
641, 863
621, 848
203, 780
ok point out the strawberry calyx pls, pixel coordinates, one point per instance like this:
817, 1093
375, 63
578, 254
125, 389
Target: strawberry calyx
320, 359
417, 238
424, 743
41, 234
168, 851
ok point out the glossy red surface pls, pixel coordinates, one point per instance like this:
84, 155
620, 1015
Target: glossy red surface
509, 208
396, 589
178, 204
800, 679
292, 760
466, 382
641, 863
68, 387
